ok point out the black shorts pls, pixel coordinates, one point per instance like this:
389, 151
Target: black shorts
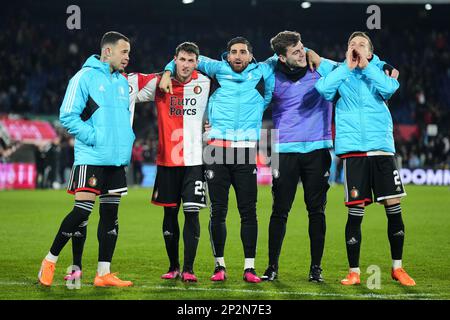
98, 179
313, 168
379, 174
176, 184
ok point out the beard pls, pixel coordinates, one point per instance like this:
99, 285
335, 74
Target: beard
239, 68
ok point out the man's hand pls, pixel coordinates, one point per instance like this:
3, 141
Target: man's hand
393, 74
207, 126
363, 62
166, 83
352, 59
313, 60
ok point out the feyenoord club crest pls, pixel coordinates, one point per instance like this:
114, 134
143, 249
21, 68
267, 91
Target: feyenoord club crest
197, 89
354, 193
276, 173
209, 174
92, 181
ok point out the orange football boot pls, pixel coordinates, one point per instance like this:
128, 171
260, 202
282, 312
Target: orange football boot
351, 279
110, 280
401, 276
46, 272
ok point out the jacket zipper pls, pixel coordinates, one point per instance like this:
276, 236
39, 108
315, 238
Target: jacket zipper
236, 115
361, 118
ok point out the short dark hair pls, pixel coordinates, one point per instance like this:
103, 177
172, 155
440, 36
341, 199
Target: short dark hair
283, 40
189, 47
361, 34
239, 40
111, 37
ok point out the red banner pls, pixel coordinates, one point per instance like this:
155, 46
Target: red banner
405, 132
28, 130
17, 176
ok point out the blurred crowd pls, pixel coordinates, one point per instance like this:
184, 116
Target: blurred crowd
38, 59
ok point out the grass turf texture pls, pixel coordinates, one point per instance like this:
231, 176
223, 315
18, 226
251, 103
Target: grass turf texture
30, 219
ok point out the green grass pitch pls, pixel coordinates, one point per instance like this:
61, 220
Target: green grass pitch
30, 219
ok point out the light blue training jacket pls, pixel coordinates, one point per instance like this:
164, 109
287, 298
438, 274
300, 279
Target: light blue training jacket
96, 111
363, 121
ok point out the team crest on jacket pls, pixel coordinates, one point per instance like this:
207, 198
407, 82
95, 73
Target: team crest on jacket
209, 174
276, 173
354, 193
92, 181
197, 89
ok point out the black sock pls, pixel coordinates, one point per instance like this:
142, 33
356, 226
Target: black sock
108, 227
396, 230
191, 235
78, 240
171, 233
317, 229
79, 213
277, 231
353, 236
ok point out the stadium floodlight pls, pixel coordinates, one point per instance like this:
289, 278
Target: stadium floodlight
306, 4
187, 1
428, 7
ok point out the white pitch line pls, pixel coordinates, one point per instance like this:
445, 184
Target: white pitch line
298, 293
368, 295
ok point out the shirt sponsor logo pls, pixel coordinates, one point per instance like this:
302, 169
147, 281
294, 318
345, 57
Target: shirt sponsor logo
181, 106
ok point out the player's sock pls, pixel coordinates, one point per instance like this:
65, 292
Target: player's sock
191, 235
249, 263
357, 270
171, 233
50, 257
396, 264
78, 240
396, 230
317, 228
277, 231
80, 212
103, 268
220, 261
353, 235
108, 226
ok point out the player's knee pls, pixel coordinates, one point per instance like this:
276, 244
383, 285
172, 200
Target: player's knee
280, 214
247, 208
317, 207
219, 211
191, 209
249, 217
316, 215
83, 208
355, 215
218, 219
391, 202
171, 212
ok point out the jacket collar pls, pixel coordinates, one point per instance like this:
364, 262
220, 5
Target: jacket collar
292, 74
